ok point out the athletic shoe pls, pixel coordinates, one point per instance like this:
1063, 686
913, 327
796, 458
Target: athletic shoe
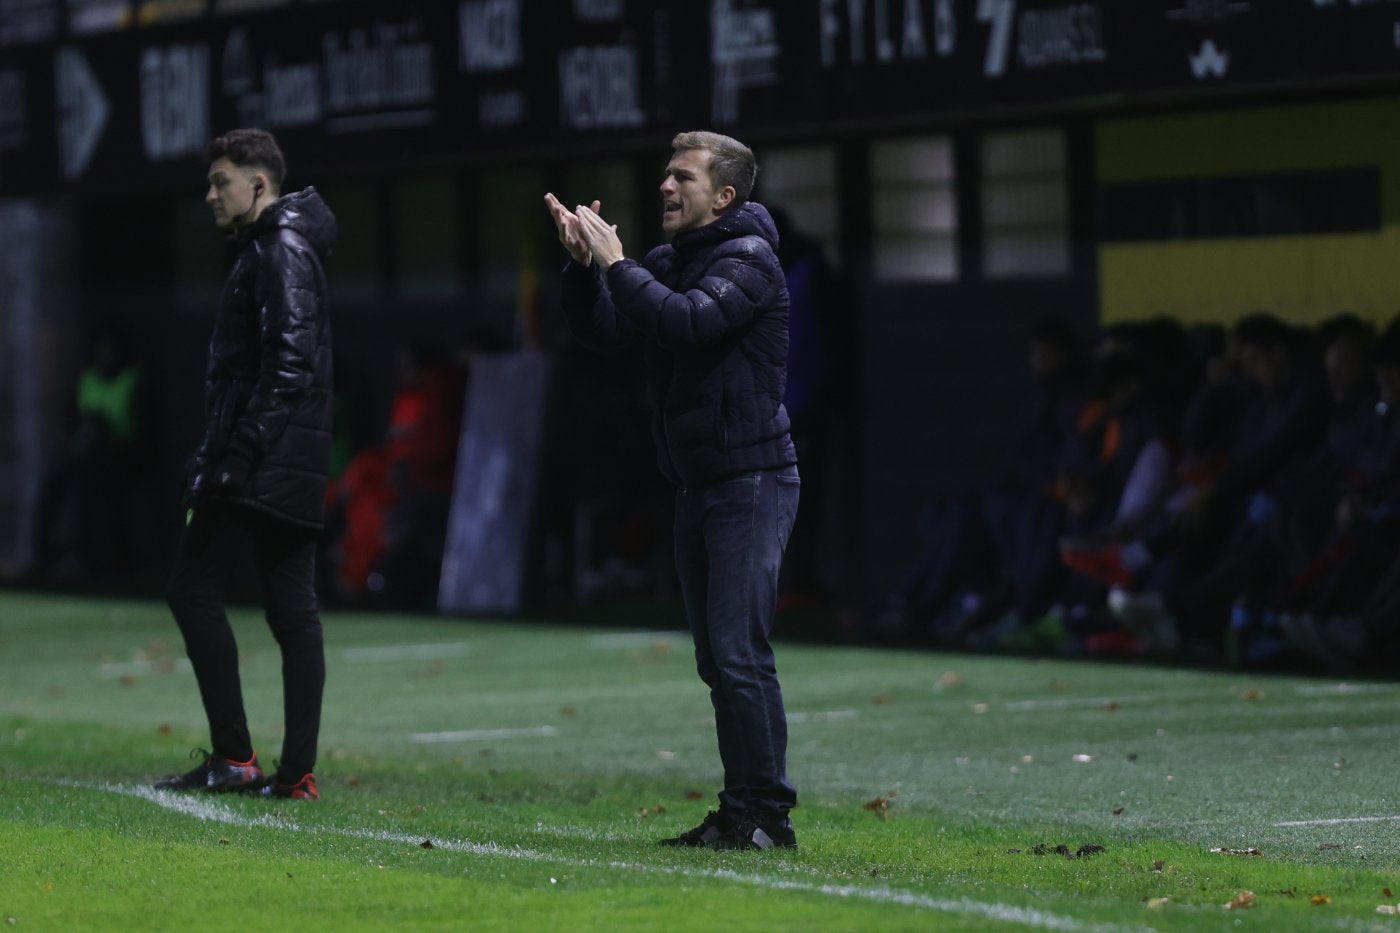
1146, 616
215, 773
753, 833
714, 826
1104, 564
305, 789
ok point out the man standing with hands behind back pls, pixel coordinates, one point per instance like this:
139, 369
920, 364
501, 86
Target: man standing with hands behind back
711, 310
260, 471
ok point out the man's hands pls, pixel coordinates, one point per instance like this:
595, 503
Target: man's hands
585, 234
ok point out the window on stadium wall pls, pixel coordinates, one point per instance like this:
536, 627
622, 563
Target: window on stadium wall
1025, 204
801, 180
915, 209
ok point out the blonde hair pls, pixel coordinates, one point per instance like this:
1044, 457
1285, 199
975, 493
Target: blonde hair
731, 162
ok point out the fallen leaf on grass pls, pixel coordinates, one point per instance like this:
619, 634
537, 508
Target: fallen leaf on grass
1241, 901
1385, 892
165, 728
694, 795
1111, 705
1289, 892
882, 699
1159, 865
1251, 694
1249, 851
950, 679
644, 812
881, 805
568, 712
1320, 899
1117, 811
426, 844
353, 780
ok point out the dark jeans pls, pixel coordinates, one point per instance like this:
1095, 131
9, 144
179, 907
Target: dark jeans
729, 546
285, 558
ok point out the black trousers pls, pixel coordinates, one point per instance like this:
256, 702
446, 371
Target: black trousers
285, 558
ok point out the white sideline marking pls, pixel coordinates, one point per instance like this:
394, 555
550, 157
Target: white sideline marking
114, 669
1337, 821
830, 715
1344, 689
202, 808
477, 735
431, 652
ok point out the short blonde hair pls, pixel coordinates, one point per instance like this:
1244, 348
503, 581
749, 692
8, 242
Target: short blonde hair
731, 162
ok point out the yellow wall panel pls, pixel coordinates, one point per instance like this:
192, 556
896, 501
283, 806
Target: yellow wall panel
1302, 278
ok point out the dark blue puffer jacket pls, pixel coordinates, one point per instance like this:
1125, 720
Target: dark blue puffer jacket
268, 383
712, 310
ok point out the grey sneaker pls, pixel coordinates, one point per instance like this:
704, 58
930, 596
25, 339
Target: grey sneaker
714, 826
753, 833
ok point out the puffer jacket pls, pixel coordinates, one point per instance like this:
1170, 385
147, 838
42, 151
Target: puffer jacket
712, 310
268, 382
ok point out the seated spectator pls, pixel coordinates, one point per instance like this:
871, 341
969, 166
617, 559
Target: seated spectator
1342, 605
1245, 425
984, 550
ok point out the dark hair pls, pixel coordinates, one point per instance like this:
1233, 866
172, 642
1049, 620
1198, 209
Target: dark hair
731, 162
1345, 326
1387, 350
1265, 331
250, 148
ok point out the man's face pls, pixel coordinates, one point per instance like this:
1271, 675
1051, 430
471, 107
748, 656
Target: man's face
231, 193
688, 198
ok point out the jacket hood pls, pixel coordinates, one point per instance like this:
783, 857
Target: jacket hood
303, 211
748, 219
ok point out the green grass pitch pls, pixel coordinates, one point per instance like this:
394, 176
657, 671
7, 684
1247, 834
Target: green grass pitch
484, 775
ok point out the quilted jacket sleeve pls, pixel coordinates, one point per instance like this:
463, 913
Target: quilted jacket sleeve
742, 278
589, 310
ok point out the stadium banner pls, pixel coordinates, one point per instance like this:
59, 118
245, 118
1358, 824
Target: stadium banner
116, 92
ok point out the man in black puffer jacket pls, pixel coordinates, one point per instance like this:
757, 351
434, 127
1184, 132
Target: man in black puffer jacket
260, 470
711, 309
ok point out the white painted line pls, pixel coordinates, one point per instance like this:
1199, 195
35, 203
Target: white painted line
832, 715
205, 808
449, 649
477, 735
1344, 689
114, 669
1338, 821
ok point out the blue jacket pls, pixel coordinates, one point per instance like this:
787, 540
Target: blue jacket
712, 311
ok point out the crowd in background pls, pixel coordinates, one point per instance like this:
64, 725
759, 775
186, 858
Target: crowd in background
1197, 493
1177, 492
